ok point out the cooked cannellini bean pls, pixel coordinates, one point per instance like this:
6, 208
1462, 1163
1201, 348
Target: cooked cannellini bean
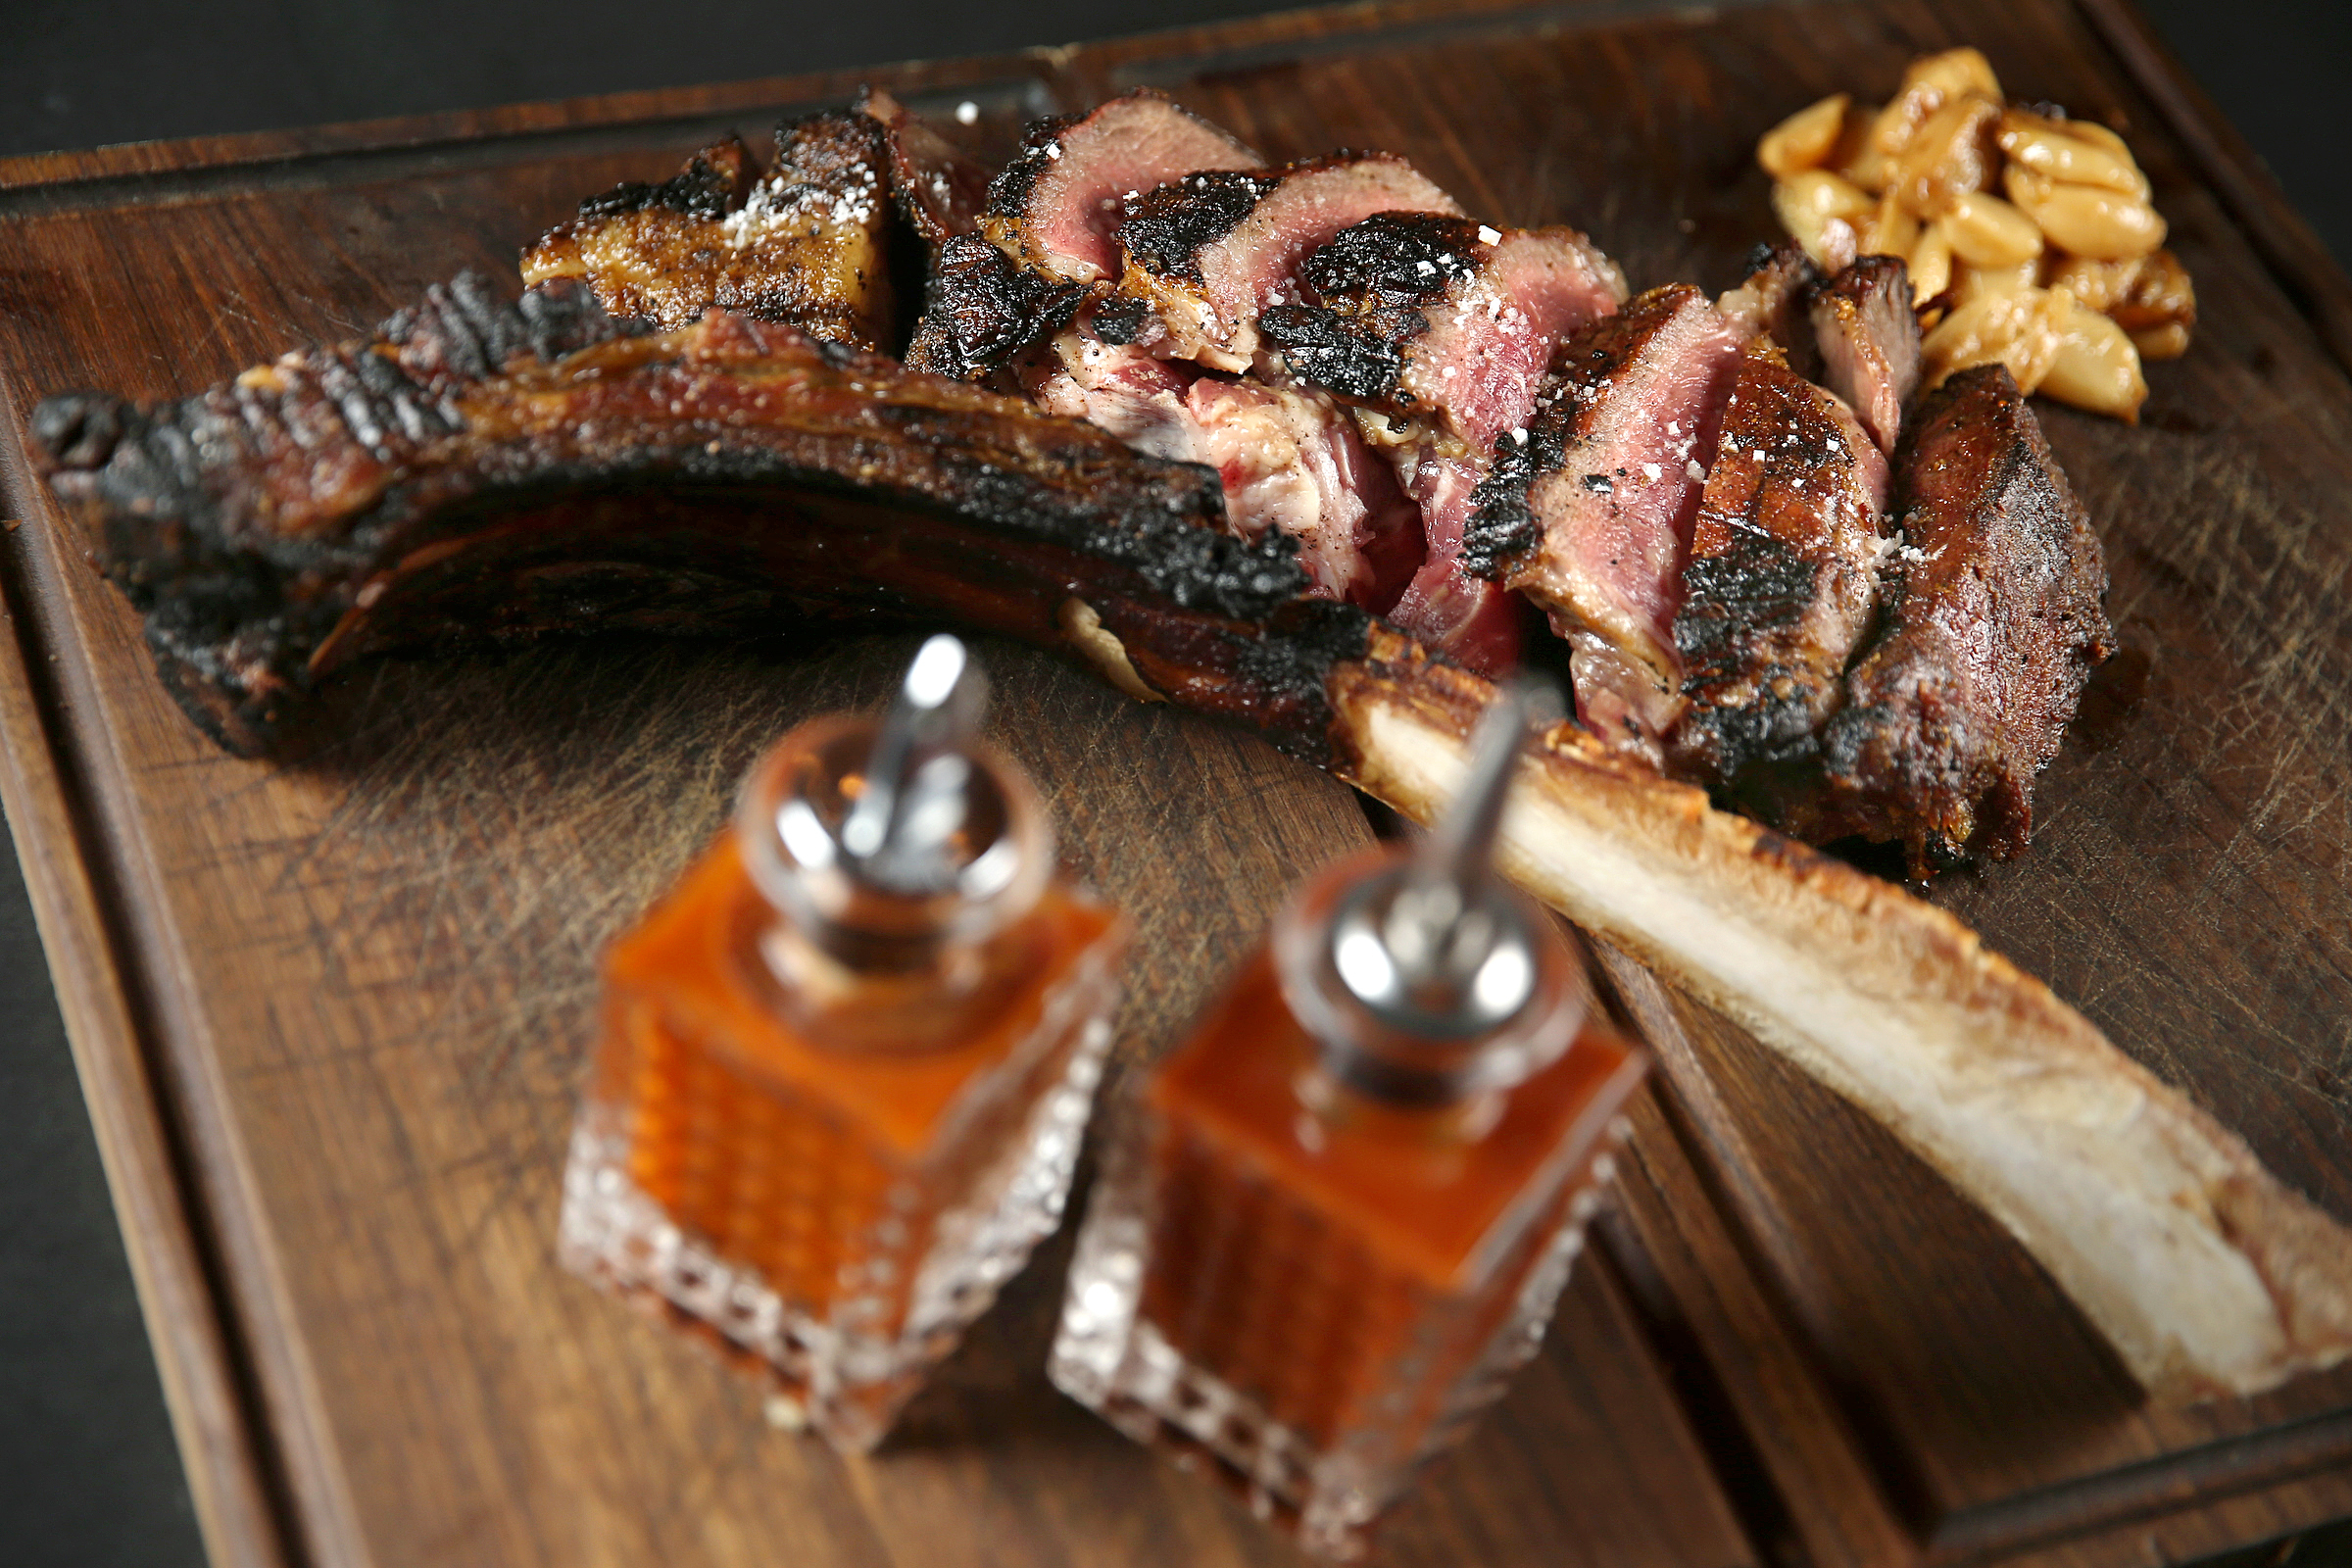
1987, 231
1970, 283
2167, 342
1805, 140
1951, 153
1930, 264
2160, 294
2030, 236
2064, 150
1887, 231
2096, 366
2020, 330
2099, 285
1953, 73
2103, 224
1817, 209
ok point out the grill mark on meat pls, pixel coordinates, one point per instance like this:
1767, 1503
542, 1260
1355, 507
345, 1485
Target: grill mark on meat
1451, 322
808, 244
1211, 250
1782, 578
1868, 335
1057, 207
275, 527
938, 191
980, 309
1593, 520
1992, 624
1773, 304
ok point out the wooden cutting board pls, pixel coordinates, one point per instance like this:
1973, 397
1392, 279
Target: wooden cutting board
330, 1015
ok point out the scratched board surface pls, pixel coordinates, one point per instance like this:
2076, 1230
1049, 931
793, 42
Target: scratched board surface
358, 985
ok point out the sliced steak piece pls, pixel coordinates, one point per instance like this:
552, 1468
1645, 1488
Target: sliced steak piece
1593, 517
1123, 388
807, 245
1208, 252
1472, 621
1441, 320
1869, 338
1057, 207
938, 190
980, 309
1291, 460
1781, 580
1992, 624
1775, 303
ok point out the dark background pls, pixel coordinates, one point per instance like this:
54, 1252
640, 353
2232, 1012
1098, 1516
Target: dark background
88, 1475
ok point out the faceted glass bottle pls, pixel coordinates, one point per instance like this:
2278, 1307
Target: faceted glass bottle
1328, 1230
839, 1097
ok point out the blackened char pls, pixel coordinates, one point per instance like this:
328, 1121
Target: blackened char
980, 309
1869, 339
1592, 520
1992, 622
1782, 578
807, 243
713, 184
1211, 250
1058, 206
1441, 320
460, 475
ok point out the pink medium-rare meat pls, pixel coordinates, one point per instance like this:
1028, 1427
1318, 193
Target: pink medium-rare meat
1211, 250
1591, 517
1781, 580
1474, 621
1440, 321
1058, 206
1123, 389
1292, 459
1868, 334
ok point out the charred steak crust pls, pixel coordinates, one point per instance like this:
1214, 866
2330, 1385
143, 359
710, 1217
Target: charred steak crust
1372, 286
808, 243
1503, 529
419, 486
980, 309
1325, 349
1166, 228
1992, 624
1782, 576
713, 184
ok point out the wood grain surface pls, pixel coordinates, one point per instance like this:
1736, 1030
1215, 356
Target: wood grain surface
331, 1013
